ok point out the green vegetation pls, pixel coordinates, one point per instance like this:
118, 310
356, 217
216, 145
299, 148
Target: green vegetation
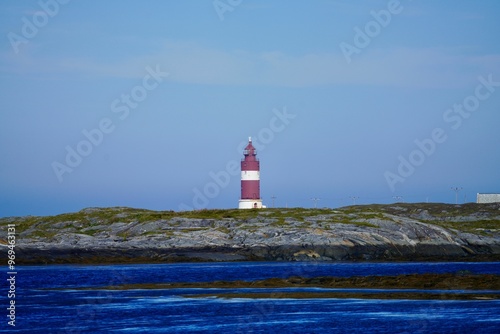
223, 230
364, 224
280, 222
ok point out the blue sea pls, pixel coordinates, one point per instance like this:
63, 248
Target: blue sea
48, 300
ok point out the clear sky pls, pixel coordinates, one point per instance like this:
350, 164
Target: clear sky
148, 104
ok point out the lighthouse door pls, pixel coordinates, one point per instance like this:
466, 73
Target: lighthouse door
255, 205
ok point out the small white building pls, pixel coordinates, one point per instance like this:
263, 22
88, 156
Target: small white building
488, 198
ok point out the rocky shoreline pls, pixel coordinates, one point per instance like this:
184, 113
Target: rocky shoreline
397, 232
115, 255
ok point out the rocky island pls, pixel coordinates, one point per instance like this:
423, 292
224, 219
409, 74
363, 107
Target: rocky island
391, 232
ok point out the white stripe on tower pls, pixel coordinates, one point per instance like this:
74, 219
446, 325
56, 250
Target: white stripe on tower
250, 175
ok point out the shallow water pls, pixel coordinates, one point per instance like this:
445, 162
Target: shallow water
67, 310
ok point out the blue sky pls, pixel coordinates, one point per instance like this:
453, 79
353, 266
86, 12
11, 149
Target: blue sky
348, 101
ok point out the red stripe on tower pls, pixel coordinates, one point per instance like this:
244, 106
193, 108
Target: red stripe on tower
250, 179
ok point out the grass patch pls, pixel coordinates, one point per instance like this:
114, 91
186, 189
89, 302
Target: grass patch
90, 232
223, 229
364, 224
280, 222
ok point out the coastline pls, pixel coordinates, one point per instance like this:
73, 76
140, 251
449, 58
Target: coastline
418, 232
47, 256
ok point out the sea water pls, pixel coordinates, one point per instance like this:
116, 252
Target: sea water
50, 299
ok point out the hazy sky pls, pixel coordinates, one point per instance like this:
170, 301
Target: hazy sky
149, 103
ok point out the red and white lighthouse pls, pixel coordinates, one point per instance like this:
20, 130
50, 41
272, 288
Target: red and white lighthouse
250, 179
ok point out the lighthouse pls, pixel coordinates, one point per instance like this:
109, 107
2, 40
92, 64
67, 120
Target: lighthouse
250, 179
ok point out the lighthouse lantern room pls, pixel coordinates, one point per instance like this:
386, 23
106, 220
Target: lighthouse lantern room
250, 179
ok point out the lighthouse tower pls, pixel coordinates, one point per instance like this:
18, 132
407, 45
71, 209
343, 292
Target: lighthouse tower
250, 179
